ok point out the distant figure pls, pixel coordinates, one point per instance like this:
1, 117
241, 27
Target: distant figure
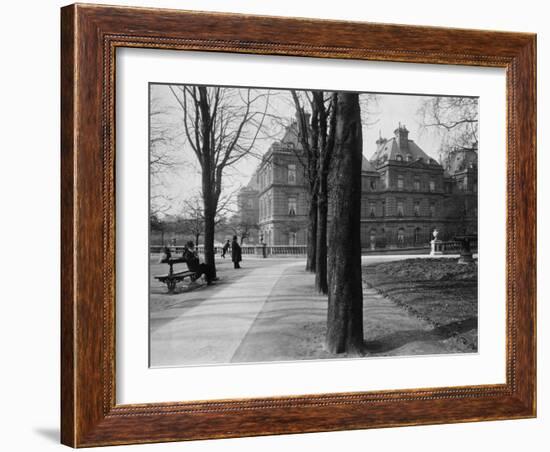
193, 264
236, 255
225, 248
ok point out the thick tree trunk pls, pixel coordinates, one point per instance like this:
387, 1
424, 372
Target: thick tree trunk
208, 180
345, 294
209, 230
312, 235
321, 283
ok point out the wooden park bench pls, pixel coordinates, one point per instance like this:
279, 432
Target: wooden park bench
172, 278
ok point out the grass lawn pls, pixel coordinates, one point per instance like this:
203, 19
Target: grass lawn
440, 291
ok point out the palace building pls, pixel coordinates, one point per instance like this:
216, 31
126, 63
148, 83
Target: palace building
406, 194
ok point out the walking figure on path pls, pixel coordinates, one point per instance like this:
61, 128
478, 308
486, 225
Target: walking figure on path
236, 254
225, 248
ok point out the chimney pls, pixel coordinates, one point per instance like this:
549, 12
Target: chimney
381, 141
402, 137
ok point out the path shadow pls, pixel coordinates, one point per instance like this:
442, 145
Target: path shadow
400, 338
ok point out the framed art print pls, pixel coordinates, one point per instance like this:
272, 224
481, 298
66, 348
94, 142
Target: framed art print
275, 225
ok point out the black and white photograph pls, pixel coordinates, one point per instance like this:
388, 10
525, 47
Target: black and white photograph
242, 226
296, 224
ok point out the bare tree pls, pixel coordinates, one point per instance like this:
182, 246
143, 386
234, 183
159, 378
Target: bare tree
454, 119
327, 122
318, 153
308, 156
162, 158
345, 295
192, 219
221, 126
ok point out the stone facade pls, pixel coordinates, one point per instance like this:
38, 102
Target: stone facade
405, 194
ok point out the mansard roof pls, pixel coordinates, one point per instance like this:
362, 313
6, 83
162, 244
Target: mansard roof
367, 166
392, 150
401, 149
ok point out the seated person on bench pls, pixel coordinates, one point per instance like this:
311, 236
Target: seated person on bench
192, 259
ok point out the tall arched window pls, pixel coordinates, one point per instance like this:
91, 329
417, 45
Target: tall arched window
372, 238
417, 234
401, 237
292, 174
291, 206
400, 212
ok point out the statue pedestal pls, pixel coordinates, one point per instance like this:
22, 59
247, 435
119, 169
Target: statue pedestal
466, 249
436, 247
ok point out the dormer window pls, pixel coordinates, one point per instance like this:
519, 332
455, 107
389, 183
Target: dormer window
409, 158
399, 157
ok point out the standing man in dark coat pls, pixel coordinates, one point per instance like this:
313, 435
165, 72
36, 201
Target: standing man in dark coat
236, 254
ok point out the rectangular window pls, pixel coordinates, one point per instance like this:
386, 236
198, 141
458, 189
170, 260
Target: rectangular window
383, 208
291, 206
432, 209
372, 209
385, 179
292, 174
261, 207
432, 185
399, 208
292, 238
417, 208
400, 182
417, 184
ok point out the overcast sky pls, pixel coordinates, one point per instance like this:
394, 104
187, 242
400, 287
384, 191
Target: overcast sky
183, 179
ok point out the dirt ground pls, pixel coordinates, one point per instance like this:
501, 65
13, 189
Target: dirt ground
269, 311
440, 291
